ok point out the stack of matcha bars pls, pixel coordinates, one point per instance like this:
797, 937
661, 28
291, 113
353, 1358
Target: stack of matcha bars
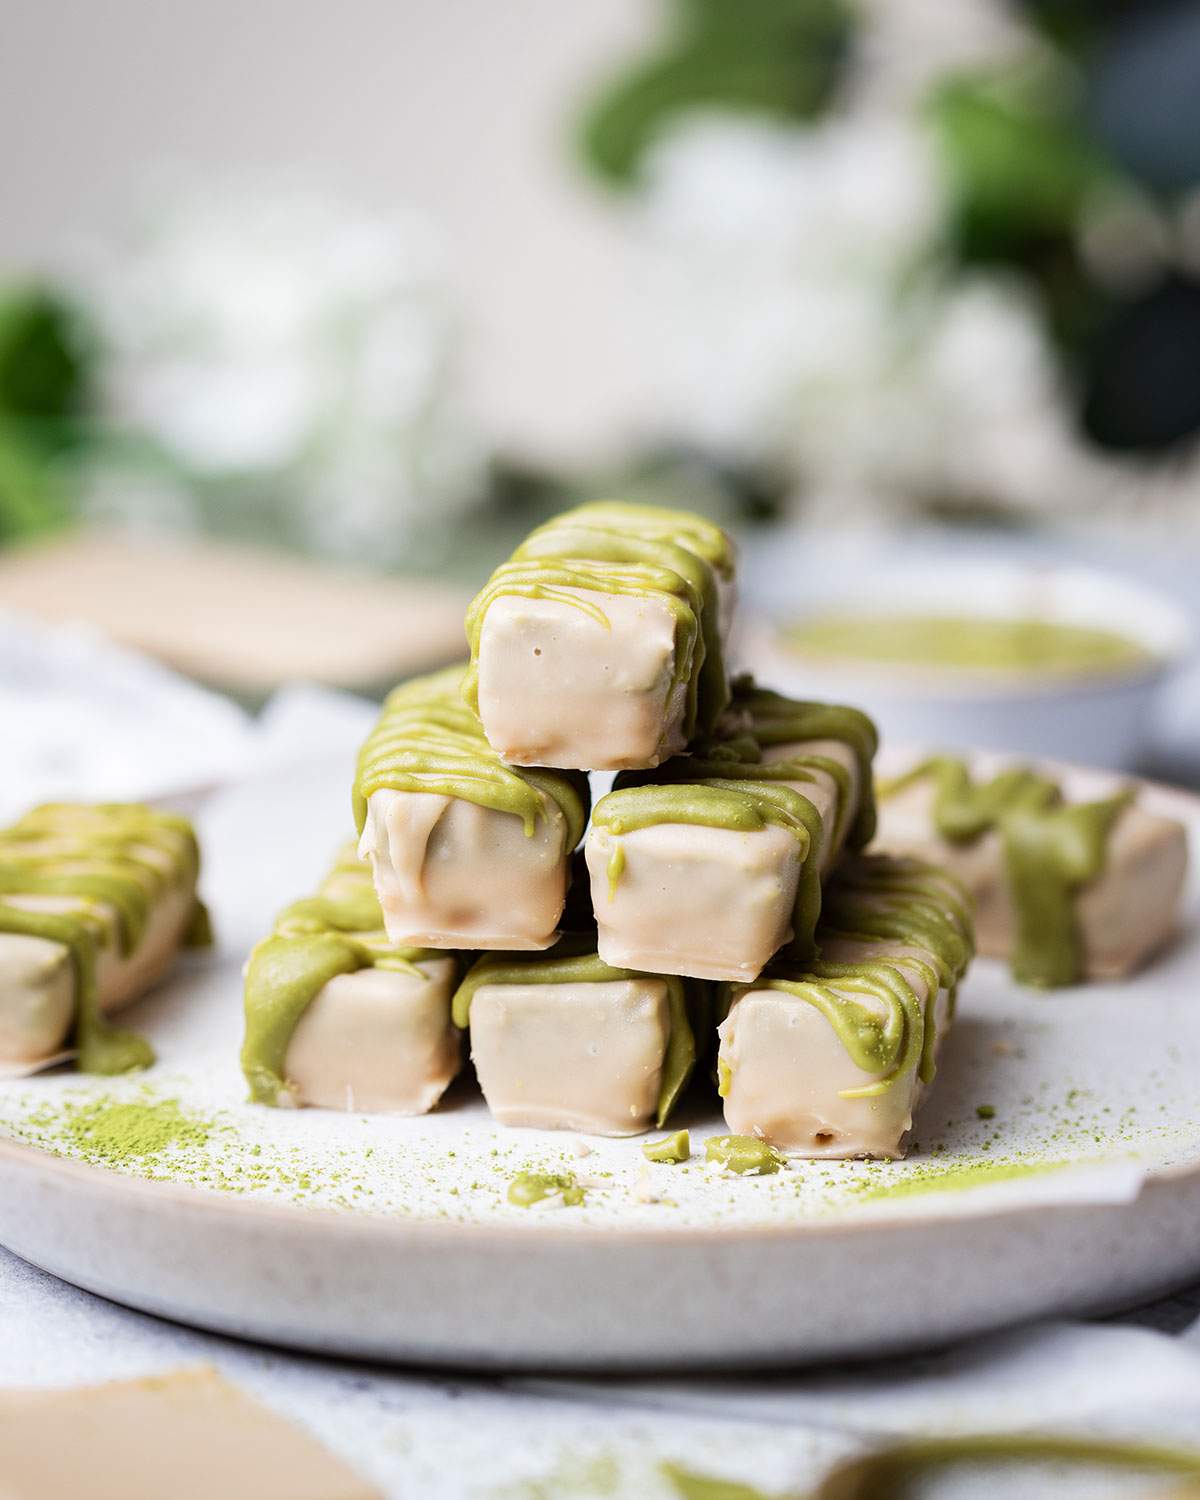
712, 917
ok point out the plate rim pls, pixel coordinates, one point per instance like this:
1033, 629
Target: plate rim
190, 1198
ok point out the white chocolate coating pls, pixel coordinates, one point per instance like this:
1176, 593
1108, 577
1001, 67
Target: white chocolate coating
823, 791
37, 978
1124, 916
37, 982
712, 903
787, 1068
584, 1057
379, 1040
558, 688
452, 874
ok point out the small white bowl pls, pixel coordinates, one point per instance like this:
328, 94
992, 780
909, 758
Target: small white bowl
1099, 717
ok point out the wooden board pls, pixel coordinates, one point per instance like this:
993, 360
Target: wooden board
241, 618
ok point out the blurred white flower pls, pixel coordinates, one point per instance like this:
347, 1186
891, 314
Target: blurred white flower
774, 254
804, 316
294, 353
906, 45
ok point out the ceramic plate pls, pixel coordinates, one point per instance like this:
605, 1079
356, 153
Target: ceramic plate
1056, 1169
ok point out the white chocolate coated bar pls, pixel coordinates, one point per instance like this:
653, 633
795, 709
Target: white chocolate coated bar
1104, 925
95, 903
562, 1041
713, 868
600, 644
465, 851
831, 1059
338, 1016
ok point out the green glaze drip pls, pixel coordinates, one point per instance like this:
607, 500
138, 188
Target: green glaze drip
873, 1005
528, 1188
428, 740
744, 1154
888, 1044
767, 719
742, 805
1052, 850
894, 1471
883, 898
574, 960
118, 858
968, 643
660, 522
672, 1149
616, 867
338, 931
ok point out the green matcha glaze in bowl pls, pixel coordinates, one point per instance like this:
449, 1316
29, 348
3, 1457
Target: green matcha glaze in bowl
1057, 662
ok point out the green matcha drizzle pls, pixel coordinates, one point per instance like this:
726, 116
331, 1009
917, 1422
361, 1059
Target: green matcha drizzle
660, 522
889, 1473
338, 931
766, 719
888, 1031
742, 805
1052, 849
105, 857
427, 740
574, 960
671, 557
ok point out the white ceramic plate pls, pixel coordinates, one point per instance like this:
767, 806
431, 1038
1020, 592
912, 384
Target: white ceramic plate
393, 1238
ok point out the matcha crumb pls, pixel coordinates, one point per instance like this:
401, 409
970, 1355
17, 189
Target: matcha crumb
744, 1154
528, 1188
672, 1148
986, 1111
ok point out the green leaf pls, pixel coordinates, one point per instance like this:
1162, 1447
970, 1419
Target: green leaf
44, 357
1019, 170
778, 58
32, 496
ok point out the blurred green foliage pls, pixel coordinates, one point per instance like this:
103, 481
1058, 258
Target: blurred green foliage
45, 358
1028, 154
1020, 167
780, 58
1021, 171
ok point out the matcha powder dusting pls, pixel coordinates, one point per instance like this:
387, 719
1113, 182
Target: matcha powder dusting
115, 1132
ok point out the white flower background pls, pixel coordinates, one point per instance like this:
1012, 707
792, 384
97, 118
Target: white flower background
803, 313
284, 363
295, 349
